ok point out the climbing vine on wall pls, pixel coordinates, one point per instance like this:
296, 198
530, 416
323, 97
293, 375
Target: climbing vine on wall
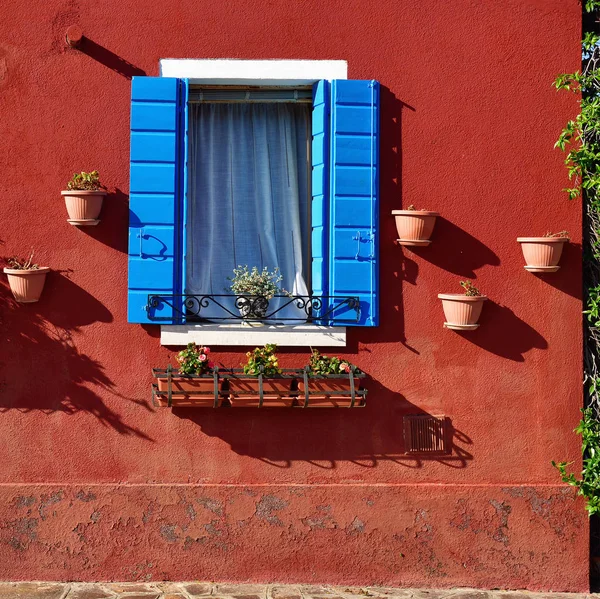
580, 139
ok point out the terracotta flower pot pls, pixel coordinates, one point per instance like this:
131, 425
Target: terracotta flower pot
199, 392
414, 226
324, 392
27, 285
244, 392
542, 254
83, 206
461, 311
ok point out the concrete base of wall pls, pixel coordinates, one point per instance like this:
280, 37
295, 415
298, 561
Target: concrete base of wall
437, 536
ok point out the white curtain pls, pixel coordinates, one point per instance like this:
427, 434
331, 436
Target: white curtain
248, 191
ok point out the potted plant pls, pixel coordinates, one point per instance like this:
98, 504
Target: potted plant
254, 289
26, 279
83, 198
462, 311
542, 254
193, 384
261, 370
328, 381
414, 226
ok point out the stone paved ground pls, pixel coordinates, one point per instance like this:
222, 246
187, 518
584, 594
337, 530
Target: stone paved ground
206, 590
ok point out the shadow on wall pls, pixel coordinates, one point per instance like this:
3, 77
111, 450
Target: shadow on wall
44, 371
109, 59
323, 437
114, 222
503, 333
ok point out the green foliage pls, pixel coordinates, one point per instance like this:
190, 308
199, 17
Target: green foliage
194, 360
85, 182
22, 263
589, 484
263, 358
263, 283
470, 289
323, 365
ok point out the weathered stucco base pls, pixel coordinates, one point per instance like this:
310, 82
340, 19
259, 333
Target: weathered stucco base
415, 535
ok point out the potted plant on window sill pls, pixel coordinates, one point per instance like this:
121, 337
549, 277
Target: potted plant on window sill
262, 382
194, 384
254, 289
26, 279
542, 254
329, 382
83, 198
414, 226
462, 311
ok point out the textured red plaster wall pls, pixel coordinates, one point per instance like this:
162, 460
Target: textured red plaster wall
469, 118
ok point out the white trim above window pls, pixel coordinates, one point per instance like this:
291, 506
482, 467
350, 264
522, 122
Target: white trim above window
301, 335
253, 72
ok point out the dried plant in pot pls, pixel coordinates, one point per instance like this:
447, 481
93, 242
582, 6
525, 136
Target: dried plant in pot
414, 226
83, 198
261, 370
462, 310
542, 254
329, 382
254, 289
193, 384
26, 279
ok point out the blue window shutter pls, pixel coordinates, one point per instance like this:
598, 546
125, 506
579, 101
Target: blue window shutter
156, 195
320, 189
354, 197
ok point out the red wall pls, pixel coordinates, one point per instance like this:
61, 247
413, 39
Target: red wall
97, 484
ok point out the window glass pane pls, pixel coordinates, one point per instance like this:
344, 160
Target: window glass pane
248, 193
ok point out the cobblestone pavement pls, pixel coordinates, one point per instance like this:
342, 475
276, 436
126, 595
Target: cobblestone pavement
205, 590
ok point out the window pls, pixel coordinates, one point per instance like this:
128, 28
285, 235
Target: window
343, 215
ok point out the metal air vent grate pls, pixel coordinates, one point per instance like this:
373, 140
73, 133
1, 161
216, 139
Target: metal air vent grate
425, 434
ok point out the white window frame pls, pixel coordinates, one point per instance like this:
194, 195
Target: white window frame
284, 73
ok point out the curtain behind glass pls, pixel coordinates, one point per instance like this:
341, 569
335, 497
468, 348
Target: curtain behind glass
248, 193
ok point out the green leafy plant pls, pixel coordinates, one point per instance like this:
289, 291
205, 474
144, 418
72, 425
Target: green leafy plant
262, 358
194, 360
85, 182
263, 283
324, 365
560, 234
22, 263
470, 289
589, 484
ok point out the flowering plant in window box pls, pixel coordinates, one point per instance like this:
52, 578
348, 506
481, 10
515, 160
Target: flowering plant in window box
542, 254
26, 279
83, 198
328, 381
462, 311
414, 226
254, 288
262, 382
193, 384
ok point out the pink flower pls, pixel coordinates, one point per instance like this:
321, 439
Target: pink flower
202, 358
207, 350
344, 367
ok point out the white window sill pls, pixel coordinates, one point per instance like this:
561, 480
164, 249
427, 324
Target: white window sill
301, 335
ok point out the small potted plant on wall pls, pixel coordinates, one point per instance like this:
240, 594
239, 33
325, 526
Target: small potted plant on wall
83, 198
26, 279
328, 382
254, 289
261, 376
414, 226
542, 254
193, 384
462, 311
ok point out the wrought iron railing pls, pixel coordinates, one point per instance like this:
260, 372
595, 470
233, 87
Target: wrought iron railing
281, 309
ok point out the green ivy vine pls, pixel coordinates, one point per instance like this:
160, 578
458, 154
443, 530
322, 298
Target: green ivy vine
580, 139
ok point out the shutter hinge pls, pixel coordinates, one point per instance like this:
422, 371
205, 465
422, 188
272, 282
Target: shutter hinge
369, 238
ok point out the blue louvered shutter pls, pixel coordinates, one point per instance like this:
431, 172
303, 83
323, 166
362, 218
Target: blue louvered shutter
354, 197
157, 175
320, 191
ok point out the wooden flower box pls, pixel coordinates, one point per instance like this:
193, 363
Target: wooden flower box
246, 391
175, 390
331, 391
